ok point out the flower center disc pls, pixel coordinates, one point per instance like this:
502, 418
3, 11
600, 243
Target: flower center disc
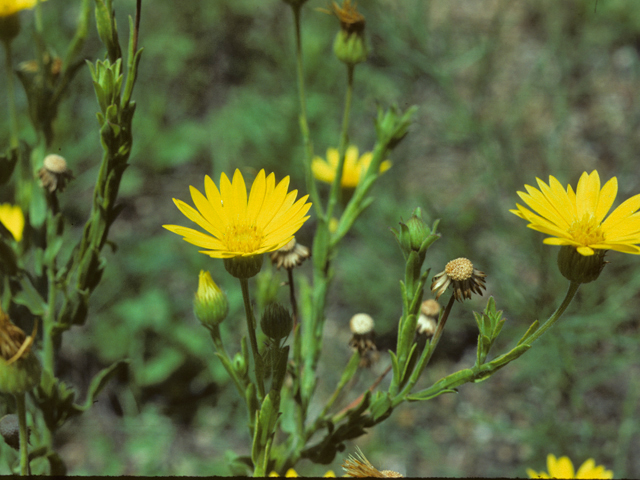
243, 238
586, 231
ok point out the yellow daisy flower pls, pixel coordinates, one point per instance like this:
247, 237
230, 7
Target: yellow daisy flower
241, 227
577, 218
563, 468
354, 167
13, 219
9, 7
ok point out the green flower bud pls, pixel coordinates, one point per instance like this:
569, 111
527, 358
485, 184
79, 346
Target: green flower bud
210, 304
243, 267
276, 321
413, 234
580, 268
239, 365
350, 48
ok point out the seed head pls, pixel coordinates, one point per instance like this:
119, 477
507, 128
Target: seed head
464, 277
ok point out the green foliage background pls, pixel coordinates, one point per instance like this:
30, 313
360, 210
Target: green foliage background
507, 91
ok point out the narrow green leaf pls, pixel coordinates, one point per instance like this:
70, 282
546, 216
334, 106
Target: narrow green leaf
532, 329
100, 381
30, 298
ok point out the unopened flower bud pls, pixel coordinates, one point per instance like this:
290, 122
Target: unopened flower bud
276, 321
210, 304
239, 365
54, 173
580, 268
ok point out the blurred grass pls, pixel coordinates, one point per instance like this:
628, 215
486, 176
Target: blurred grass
507, 91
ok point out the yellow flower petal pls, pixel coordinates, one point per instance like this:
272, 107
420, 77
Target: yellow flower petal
13, 220
578, 218
353, 170
241, 225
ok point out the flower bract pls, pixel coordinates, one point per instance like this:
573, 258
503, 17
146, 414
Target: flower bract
563, 468
238, 226
578, 219
354, 167
13, 219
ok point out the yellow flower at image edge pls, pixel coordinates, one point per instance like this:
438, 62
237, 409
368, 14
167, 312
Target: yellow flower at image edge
13, 219
353, 170
291, 473
241, 227
577, 218
9, 7
563, 468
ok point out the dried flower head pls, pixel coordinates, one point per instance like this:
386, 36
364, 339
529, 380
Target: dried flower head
359, 466
54, 173
19, 368
464, 277
428, 319
351, 21
290, 256
361, 326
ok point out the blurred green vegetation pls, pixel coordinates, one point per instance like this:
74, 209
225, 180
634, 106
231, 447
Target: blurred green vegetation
507, 91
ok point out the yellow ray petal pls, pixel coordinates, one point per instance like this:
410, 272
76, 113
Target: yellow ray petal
193, 215
606, 198
587, 193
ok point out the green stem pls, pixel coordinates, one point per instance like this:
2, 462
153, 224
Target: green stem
24, 437
214, 331
11, 97
251, 326
336, 186
571, 292
426, 355
304, 124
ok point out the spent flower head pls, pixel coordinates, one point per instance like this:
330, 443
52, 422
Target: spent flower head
54, 173
12, 218
19, 367
241, 227
563, 468
577, 219
354, 167
290, 256
463, 276
359, 466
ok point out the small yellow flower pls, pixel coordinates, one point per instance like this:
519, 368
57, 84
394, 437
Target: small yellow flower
354, 167
9, 7
577, 219
238, 226
13, 219
563, 468
292, 473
